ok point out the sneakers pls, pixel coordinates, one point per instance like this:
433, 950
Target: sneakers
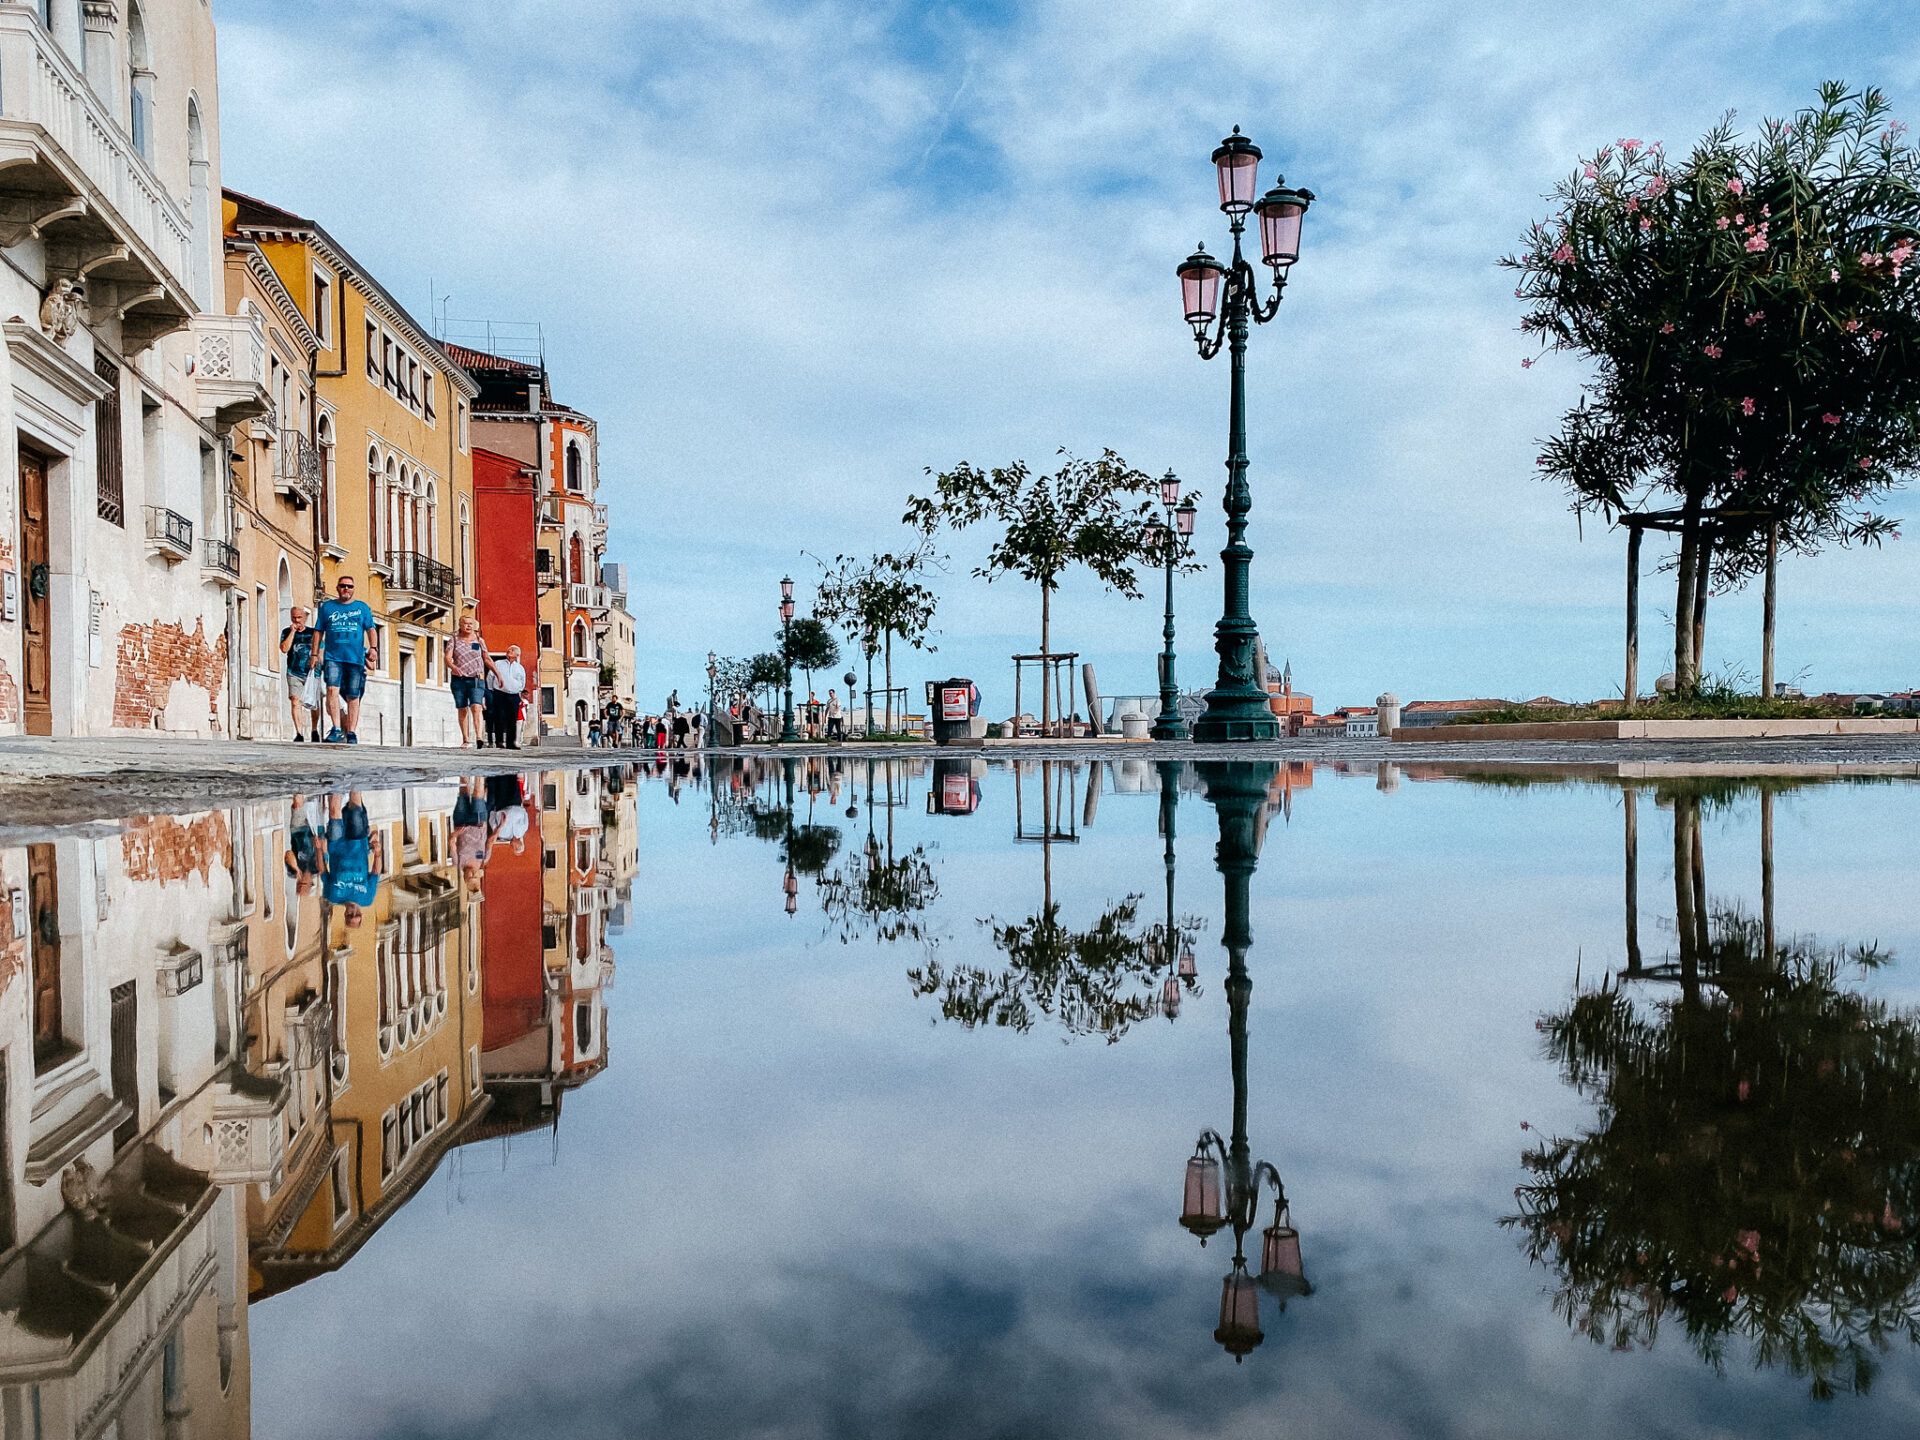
298, 737
316, 734
352, 739
336, 736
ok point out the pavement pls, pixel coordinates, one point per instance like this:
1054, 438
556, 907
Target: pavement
47, 783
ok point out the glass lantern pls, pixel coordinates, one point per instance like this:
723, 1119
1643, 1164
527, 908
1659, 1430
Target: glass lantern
1239, 1328
1238, 162
1281, 211
1200, 289
1200, 1211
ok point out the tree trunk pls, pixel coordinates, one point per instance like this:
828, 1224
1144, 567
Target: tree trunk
1766, 613
1702, 576
1631, 692
1684, 819
1631, 800
1046, 650
889, 682
1683, 653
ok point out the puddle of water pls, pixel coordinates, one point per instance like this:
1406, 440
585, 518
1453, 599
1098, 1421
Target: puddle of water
1503, 1106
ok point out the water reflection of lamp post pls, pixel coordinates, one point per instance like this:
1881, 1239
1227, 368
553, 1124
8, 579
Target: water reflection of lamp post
790, 885
1238, 792
1177, 947
788, 734
713, 672
1171, 537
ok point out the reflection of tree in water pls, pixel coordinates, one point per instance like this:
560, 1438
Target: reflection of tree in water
1098, 981
809, 848
885, 895
1756, 1171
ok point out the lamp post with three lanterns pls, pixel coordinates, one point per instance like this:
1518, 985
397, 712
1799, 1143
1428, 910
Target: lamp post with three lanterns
788, 733
1239, 792
1237, 707
1171, 537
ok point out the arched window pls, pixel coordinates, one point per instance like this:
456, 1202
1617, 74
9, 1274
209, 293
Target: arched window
199, 212
576, 560
574, 478
432, 547
465, 556
579, 640
395, 540
139, 83
326, 479
285, 579
376, 505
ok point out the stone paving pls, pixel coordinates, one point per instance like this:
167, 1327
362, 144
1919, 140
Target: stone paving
46, 783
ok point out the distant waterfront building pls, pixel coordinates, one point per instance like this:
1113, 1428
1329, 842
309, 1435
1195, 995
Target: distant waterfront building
1388, 706
1417, 713
1363, 723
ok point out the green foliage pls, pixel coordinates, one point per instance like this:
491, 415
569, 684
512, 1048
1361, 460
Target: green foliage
879, 598
809, 848
887, 896
1758, 343
1097, 981
765, 669
811, 646
1048, 523
1754, 1171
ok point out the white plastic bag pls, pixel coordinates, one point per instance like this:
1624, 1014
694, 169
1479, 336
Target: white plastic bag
314, 693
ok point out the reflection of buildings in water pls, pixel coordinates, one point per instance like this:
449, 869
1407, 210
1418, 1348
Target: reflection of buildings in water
213, 1086
548, 964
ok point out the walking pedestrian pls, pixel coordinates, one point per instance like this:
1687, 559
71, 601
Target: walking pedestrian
681, 729
350, 638
836, 722
472, 837
353, 857
506, 684
296, 643
467, 665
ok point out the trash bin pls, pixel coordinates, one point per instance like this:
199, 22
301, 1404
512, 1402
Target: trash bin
954, 706
956, 786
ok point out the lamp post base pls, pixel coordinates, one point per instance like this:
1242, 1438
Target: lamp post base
1234, 715
1165, 729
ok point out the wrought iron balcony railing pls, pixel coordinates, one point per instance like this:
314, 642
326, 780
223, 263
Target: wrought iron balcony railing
221, 556
170, 532
421, 578
296, 466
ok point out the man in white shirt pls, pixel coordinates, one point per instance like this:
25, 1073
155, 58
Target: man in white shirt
506, 684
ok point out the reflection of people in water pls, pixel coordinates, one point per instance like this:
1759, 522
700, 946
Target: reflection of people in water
353, 856
471, 840
1755, 1170
304, 848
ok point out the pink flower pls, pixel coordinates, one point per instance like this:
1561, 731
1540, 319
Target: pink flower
1739, 219
1757, 243
1830, 418
1656, 187
1712, 352
1721, 223
1851, 326
1645, 225
1564, 255
1667, 329
1866, 462
1750, 1242
1738, 476
1525, 1126
1592, 174
1875, 335
1756, 316
1831, 275
1633, 204
1745, 1089
1628, 145
1526, 364
1891, 1221
1736, 187
1746, 406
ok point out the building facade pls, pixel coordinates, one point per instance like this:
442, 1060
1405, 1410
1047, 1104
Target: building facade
395, 489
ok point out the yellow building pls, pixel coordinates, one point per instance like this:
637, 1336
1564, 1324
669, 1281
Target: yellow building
395, 493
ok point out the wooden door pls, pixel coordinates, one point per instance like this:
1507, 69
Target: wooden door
36, 575
43, 921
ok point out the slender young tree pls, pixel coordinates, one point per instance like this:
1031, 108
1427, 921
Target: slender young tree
1756, 337
810, 646
876, 599
1078, 515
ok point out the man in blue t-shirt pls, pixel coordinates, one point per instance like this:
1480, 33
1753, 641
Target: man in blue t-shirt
346, 636
352, 859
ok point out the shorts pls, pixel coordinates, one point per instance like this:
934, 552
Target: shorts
349, 680
351, 825
468, 691
297, 682
468, 811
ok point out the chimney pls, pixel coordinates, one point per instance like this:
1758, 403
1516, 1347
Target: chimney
533, 397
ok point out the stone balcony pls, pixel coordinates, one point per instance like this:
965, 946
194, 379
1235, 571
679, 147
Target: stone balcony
230, 368
71, 178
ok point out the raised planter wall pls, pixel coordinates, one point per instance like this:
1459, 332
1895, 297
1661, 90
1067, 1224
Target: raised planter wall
1664, 729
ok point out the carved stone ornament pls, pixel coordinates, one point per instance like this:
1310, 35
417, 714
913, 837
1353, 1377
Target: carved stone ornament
76, 1189
62, 311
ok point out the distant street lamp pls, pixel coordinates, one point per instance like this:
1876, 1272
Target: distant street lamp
713, 701
1237, 708
1171, 536
1239, 797
788, 734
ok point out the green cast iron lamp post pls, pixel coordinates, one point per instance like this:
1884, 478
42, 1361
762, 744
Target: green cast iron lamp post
788, 734
1172, 537
1237, 708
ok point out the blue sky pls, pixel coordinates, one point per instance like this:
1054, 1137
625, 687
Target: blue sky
791, 254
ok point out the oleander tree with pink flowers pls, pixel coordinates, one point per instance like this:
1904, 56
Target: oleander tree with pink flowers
1752, 313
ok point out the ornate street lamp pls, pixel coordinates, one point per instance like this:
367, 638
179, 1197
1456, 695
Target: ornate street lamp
1237, 707
713, 701
788, 734
1238, 792
1171, 536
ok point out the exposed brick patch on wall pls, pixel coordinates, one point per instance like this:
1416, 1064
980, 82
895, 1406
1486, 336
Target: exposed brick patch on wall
152, 657
9, 695
161, 847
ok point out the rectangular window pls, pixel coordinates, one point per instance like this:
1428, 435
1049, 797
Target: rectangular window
342, 1184
549, 701
373, 351
549, 798
546, 639
543, 562
386, 363
323, 309
463, 424
427, 396
109, 469
551, 860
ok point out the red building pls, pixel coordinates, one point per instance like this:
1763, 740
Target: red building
505, 501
